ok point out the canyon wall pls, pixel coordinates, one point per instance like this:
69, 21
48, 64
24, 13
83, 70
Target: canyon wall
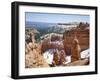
81, 33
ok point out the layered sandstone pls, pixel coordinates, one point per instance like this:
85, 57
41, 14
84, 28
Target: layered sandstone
82, 34
33, 56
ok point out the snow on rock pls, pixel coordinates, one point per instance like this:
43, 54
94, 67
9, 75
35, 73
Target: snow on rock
56, 42
68, 59
85, 54
48, 56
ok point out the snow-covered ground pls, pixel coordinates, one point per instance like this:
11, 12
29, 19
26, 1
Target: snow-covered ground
57, 42
48, 56
85, 53
48, 36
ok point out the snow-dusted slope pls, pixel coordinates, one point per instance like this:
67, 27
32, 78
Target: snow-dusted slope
48, 56
85, 54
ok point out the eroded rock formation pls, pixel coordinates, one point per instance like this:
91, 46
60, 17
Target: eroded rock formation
75, 50
73, 45
33, 57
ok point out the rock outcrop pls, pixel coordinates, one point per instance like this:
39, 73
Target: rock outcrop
33, 56
78, 63
82, 34
76, 40
75, 50
54, 41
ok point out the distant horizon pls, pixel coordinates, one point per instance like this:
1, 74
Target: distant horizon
55, 18
57, 22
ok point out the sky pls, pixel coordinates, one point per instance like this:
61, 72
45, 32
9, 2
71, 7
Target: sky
55, 18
